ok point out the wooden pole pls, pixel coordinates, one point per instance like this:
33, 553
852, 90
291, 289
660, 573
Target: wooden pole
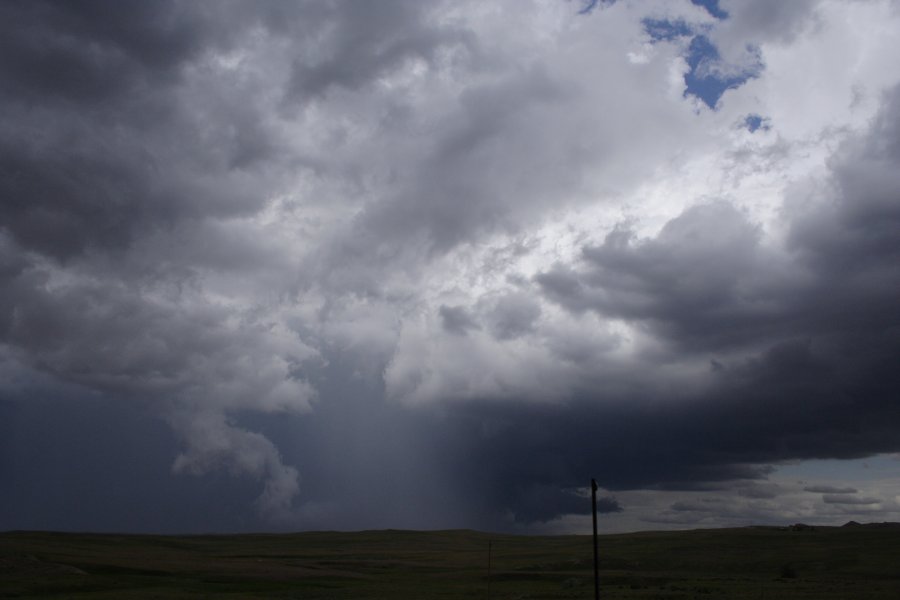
489, 570
596, 564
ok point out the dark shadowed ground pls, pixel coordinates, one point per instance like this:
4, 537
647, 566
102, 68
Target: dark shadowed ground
760, 562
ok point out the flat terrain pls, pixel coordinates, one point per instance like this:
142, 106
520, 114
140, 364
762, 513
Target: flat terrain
858, 563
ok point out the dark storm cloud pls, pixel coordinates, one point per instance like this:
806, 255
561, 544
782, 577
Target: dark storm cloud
830, 489
699, 274
492, 467
816, 326
718, 440
98, 144
118, 172
72, 461
521, 460
206, 212
92, 51
132, 157
541, 503
494, 464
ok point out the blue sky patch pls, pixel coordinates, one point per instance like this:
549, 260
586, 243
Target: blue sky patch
703, 80
712, 7
588, 6
754, 122
663, 30
706, 85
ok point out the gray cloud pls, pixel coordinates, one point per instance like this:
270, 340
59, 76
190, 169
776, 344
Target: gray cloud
513, 315
702, 507
702, 270
830, 489
94, 52
766, 20
706, 283
367, 42
107, 159
708, 287
851, 500
760, 491
456, 319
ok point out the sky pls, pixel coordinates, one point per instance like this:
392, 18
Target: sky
271, 266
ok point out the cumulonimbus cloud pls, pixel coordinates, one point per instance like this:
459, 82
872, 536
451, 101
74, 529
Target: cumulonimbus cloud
496, 249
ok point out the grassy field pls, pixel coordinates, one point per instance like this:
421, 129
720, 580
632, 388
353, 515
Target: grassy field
856, 563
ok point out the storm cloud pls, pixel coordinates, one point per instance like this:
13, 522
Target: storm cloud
402, 264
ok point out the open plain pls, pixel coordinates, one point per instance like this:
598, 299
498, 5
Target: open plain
857, 561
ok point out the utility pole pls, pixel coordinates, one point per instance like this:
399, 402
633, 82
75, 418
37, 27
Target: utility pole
596, 564
489, 570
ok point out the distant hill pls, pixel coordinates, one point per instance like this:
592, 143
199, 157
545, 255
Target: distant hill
882, 525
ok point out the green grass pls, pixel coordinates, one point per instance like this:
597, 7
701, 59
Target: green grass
749, 563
